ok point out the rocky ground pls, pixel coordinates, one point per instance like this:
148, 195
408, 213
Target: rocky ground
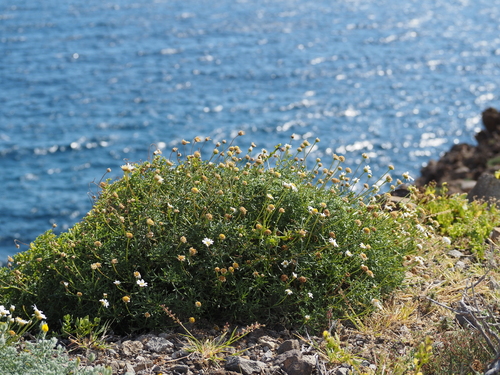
262, 351
462, 166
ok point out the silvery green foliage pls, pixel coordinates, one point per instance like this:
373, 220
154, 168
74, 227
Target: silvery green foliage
41, 358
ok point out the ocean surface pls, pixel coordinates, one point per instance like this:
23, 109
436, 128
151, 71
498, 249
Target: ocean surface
86, 85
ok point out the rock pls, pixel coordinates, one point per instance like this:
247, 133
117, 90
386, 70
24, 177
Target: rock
268, 341
159, 345
129, 369
294, 363
245, 366
495, 235
491, 120
487, 188
463, 163
131, 348
342, 371
299, 366
181, 369
467, 185
289, 345
143, 365
455, 254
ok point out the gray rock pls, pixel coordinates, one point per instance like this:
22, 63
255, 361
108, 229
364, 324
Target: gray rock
342, 371
455, 254
467, 185
487, 188
132, 348
159, 345
268, 341
245, 366
143, 365
287, 358
181, 369
289, 345
129, 370
115, 366
299, 365
268, 356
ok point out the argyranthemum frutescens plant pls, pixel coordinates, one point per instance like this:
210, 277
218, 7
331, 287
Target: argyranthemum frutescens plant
237, 237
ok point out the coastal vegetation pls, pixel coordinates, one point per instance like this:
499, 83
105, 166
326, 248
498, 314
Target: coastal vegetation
210, 235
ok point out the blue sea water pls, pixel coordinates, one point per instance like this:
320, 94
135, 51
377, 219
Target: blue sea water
87, 84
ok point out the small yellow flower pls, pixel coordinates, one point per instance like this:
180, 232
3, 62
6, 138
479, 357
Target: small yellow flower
192, 251
79, 294
12, 333
236, 265
231, 269
95, 266
194, 190
129, 235
150, 222
114, 261
137, 274
197, 304
126, 299
222, 279
181, 258
183, 239
147, 315
192, 320
98, 243
222, 236
243, 210
44, 327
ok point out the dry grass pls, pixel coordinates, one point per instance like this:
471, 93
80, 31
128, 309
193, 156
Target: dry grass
390, 337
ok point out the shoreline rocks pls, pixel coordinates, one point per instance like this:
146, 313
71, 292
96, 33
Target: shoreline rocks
463, 165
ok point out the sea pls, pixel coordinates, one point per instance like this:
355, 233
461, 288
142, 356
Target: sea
87, 85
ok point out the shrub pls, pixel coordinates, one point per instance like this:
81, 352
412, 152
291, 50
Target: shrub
259, 237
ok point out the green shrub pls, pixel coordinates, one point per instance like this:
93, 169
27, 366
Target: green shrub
259, 237
469, 222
